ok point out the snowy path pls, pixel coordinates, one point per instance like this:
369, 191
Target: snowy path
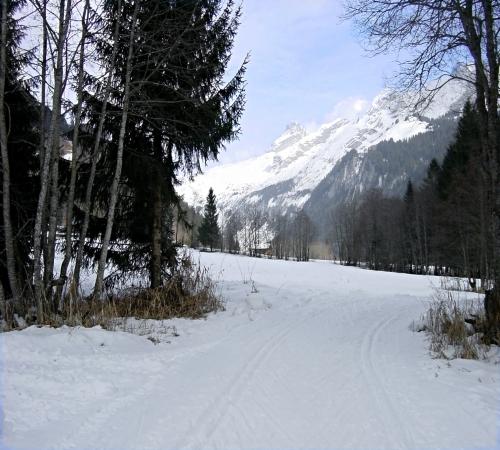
320, 357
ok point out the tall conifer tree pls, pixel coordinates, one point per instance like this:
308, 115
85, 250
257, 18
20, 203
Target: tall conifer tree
181, 114
209, 232
19, 173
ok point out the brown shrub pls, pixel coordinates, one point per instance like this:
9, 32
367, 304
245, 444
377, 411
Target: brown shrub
189, 292
448, 322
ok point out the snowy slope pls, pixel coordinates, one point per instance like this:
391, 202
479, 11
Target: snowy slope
320, 357
298, 161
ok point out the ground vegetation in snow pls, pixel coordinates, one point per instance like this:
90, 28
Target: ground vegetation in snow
305, 355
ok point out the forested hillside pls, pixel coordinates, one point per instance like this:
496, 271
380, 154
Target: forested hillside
387, 166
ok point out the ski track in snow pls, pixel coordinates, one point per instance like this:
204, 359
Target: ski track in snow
320, 357
214, 414
383, 401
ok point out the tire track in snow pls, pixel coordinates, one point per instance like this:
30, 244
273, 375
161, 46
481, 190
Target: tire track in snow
210, 419
383, 401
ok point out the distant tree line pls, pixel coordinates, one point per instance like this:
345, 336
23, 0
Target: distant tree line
435, 36
440, 227
255, 231
293, 236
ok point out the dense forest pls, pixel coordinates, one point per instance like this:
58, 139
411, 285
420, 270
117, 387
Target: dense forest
150, 99
438, 227
387, 166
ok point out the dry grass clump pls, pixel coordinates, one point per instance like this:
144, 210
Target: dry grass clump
453, 326
462, 284
190, 293
157, 331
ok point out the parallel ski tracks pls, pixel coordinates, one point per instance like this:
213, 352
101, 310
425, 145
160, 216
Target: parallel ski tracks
389, 414
204, 428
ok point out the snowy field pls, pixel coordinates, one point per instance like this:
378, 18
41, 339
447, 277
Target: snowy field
306, 355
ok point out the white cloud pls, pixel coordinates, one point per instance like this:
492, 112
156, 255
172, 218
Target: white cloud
349, 108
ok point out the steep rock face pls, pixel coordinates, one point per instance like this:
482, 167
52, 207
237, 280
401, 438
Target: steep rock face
387, 166
318, 169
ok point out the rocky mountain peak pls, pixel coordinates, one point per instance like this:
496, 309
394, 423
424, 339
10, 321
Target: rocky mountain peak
297, 161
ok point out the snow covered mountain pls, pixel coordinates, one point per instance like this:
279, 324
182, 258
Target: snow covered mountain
286, 175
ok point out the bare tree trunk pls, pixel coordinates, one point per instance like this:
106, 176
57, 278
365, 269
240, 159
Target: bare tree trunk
157, 222
119, 162
52, 210
52, 141
8, 233
3, 304
74, 157
156, 241
177, 226
43, 80
54, 196
43, 94
95, 158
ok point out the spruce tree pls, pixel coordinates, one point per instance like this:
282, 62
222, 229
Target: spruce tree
209, 233
182, 112
463, 237
410, 226
22, 137
466, 145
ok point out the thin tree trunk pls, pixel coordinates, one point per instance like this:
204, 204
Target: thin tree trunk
43, 94
157, 223
119, 162
43, 81
7, 223
52, 209
54, 196
483, 266
53, 140
95, 158
3, 308
74, 157
177, 226
156, 244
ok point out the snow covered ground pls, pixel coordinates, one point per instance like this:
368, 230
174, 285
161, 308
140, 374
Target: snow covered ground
321, 356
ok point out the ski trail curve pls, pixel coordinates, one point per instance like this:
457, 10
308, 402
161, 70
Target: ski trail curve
389, 414
206, 425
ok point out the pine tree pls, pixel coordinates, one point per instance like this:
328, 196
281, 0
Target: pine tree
209, 233
464, 208
411, 228
429, 205
182, 111
19, 173
465, 146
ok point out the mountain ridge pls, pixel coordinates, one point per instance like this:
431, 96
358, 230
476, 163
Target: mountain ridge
286, 176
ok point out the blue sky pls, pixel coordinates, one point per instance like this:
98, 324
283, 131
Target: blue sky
306, 65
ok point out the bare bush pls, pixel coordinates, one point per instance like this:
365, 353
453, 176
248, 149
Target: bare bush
463, 284
454, 326
157, 331
190, 292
